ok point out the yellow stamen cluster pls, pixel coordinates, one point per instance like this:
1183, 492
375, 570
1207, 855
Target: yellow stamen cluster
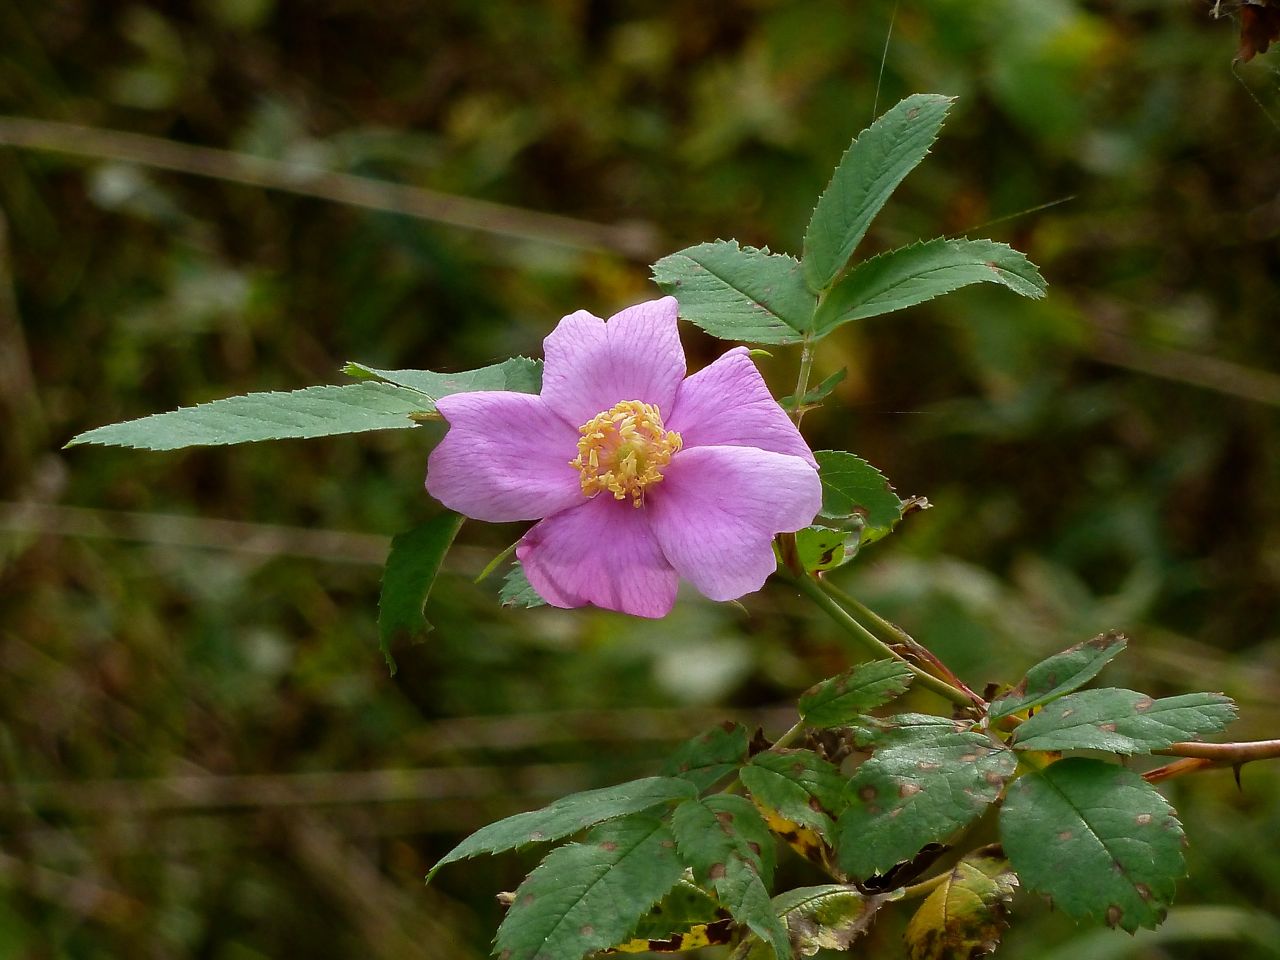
623, 450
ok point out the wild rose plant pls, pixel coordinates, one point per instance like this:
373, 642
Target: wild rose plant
639, 475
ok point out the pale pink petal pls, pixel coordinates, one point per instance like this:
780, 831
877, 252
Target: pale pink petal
592, 365
717, 508
603, 553
728, 404
506, 457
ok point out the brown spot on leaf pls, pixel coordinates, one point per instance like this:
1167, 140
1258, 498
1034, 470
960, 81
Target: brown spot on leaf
1143, 819
724, 816
969, 758
753, 847
993, 778
867, 793
1143, 705
928, 765
913, 113
1065, 835
668, 844
1143, 891
908, 789
1067, 712
1114, 914
716, 872
873, 810
527, 899
1107, 727
586, 930
608, 846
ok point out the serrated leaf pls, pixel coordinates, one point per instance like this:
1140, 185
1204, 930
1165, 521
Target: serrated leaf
905, 730
842, 699
826, 917
824, 548
568, 815
852, 487
518, 374
516, 591
1059, 675
314, 412
914, 793
590, 895
1096, 838
687, 918
797, 784
965, 916
726, 843
817, 394
1123, 721
738, 293
706, 758
910, 275
411, 569
870, 170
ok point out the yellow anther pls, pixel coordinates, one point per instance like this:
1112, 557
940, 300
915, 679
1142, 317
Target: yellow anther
623, 450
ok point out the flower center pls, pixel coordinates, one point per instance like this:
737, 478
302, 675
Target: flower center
623, 450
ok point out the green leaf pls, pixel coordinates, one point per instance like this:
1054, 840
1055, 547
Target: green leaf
516, 590
709, 756
726, 843
965, 916
914, 793
909, 275
826, 917
824, 548
519, 374
568, 815
313, 412
798, 785
411, 569
851, 487
1096, 838
1123, 721
906, 729
685, 919
817, 394
587, 896
870, 170
1059, 674
841, 699
738, 293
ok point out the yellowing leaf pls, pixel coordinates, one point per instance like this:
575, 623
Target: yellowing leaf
964, 917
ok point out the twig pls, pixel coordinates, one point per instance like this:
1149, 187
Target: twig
638, 241
1209, 756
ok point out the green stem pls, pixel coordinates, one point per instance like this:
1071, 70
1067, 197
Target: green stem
873, 644
802, 381
892, 633
790, 737
924, 887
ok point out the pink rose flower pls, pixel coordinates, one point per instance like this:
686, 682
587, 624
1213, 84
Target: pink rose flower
638, 475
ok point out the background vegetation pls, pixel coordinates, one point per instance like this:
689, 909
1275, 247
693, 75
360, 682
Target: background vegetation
201, 752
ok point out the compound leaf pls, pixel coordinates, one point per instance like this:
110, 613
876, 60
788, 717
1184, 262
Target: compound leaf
1059, 674
730, 850
842, 699
314, 412
917, 792
965, 916
870, 170
826, 917
587, 896
411, 569
738, 293
1096, 838
569, 815
910, 275
1123, 721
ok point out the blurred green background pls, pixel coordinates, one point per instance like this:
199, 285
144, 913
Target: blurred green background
201, 752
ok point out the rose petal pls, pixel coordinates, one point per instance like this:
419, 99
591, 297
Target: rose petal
603, 553
717, 509
592, 364
506, 457
728, 404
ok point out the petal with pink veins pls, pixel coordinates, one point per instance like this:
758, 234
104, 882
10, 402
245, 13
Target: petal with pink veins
506, 457
592, 364
602, 552
717, 509
728, 404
